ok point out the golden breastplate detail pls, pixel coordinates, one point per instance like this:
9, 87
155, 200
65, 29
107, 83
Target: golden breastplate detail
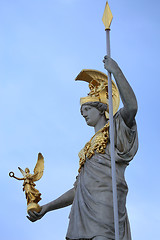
97, 144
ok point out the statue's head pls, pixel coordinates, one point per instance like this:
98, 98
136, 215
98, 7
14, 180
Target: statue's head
93, 112
98, 85
27, 170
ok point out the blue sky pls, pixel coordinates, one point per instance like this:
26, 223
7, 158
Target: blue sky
43, 46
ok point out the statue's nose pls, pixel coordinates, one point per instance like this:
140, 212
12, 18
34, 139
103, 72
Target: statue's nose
85, 113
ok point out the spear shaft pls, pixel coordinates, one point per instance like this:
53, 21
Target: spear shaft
107, 19
112, 147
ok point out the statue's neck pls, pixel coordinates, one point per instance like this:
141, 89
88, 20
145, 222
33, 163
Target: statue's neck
100, 124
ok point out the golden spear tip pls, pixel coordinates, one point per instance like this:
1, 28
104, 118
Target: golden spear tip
107, 17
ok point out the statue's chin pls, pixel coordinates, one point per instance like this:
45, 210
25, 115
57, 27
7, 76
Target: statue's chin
89, 123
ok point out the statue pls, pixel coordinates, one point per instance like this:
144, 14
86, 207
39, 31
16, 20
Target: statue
33, 196
91, 215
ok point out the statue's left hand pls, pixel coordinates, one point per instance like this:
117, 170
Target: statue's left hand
110, 65
34, 216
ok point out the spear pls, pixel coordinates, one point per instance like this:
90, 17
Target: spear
107, 19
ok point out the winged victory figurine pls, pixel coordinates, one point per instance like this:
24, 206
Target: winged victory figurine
33, 196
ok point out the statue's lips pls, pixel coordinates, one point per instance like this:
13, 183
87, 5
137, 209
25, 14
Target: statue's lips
86, 119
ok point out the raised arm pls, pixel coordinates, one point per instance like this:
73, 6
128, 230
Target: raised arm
11, 174
63, 201
128, 98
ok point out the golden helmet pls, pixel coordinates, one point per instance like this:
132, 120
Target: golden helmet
98, 85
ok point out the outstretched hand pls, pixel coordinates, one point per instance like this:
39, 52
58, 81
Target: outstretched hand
110, 65
34, 216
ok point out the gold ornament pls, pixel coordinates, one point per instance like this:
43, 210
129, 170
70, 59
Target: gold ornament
98, 85
33, 196
97, 143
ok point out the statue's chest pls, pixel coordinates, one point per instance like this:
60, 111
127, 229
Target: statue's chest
97, 144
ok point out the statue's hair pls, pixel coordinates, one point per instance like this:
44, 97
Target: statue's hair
100, 106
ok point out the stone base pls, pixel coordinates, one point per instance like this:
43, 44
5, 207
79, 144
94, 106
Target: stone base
33, 207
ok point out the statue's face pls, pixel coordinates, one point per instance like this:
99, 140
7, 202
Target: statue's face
91, 114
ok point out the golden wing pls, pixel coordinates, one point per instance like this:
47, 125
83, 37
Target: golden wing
23, 173
39, 168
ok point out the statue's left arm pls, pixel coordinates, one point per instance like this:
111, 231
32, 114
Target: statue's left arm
128, 98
